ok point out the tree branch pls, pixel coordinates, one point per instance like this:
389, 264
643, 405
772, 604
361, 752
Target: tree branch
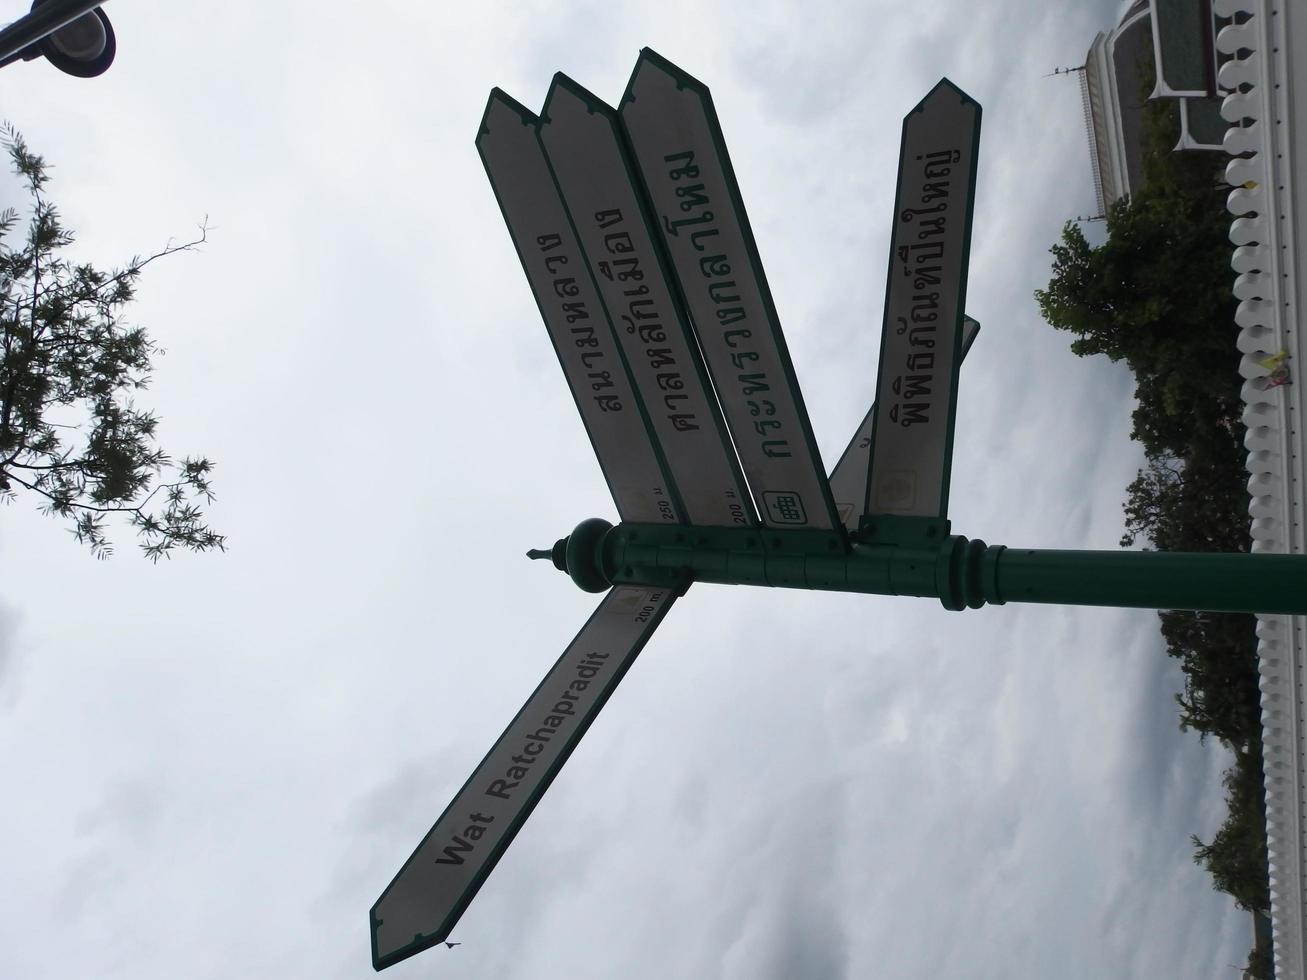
63, 345
61, 502
75, 465
136, 267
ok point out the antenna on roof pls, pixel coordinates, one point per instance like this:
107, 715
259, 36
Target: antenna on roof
1087, 98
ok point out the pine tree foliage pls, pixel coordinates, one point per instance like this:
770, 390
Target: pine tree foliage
71, 434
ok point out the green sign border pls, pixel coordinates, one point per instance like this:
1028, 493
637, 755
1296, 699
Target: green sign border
598, 107
685, 80
529, 118
962, 297
424, 942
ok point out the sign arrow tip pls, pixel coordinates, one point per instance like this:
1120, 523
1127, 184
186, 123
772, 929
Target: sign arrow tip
501, 99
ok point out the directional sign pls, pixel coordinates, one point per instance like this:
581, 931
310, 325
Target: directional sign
921, 339
576, 321
584, 148
681, 155
434, 887
848, 481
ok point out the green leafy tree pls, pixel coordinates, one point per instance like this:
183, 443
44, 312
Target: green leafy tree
70, 434
1149, 295
1186, 505
1156, 293
1218, 654
1261, 962
1236, 856
1210, 424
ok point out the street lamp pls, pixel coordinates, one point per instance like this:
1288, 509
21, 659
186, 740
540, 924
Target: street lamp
74, 35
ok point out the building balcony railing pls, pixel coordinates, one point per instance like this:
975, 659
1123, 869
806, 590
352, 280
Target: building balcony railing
1269, 204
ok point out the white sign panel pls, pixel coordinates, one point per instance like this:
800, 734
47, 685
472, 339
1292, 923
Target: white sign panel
921, 339
681, 155
583, 145
576, 321
848, 481
434, 887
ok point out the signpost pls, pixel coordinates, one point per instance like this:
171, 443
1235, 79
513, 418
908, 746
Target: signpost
848, 481
921, 337
569, 303
584, 148
424, 900
575, 205
681, 155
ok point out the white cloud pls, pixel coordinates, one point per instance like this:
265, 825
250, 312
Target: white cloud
221, 761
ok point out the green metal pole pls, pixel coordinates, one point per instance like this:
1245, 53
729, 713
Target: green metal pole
1155, 580
922, 559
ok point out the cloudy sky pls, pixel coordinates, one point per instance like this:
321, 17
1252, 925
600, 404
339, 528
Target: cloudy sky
213, 766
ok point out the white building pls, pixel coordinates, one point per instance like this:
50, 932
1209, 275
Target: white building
1173, 41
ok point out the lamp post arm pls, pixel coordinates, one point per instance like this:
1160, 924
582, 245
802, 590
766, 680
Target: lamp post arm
40, 24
